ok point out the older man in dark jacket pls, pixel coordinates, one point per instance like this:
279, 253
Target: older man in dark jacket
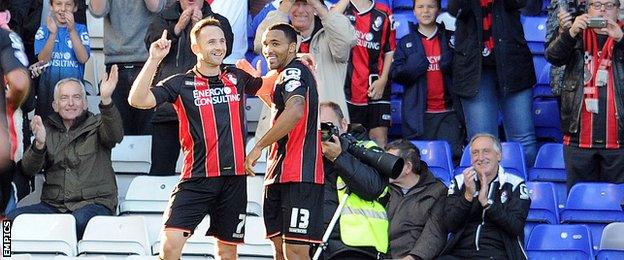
592, 93
486, 208
73, 147
415, 207
177, 19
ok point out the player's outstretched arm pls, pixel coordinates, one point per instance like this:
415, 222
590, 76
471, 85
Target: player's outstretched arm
140, 94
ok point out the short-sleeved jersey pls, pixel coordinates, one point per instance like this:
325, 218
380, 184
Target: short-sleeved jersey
297, 156
375, 37
12, 57
211, 119
64, 63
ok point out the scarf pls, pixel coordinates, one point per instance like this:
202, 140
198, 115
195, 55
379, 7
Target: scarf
488, 39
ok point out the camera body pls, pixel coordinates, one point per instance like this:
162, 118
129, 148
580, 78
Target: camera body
386, 164
597, 22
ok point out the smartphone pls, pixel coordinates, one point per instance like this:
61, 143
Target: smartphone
597, 22
372, 78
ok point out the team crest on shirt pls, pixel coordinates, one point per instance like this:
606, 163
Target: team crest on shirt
408, 45
351, 18
69, 43
84, 38
39, 35
232, 78
377, 24
503, 196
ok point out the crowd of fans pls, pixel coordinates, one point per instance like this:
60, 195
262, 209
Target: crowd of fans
455, 85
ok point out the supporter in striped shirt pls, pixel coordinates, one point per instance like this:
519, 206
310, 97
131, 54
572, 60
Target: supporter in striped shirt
210, 104
368, 97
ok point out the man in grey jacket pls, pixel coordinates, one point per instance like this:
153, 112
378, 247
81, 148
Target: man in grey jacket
73, 147
415, 207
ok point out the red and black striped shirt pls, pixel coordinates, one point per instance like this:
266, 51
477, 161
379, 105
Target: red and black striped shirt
211, 119
297, 156
375, 37
599, 130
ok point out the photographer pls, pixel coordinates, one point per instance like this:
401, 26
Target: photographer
355, 236
486, 207
592, 51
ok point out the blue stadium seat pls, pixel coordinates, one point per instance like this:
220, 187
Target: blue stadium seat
547, 119
265, 66
543, 207
401, 23
549, 164
543, 204
542, 69
437, 155
560, 242
395, 128
610, 255
550, 167
595, 205
535, 32
402, 4
543, 90
513, 160
396, 89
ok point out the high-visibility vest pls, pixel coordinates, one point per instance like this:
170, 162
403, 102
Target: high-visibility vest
362, 223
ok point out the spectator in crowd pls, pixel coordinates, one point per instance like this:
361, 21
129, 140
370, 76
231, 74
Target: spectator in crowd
73, 147
344, 173
62, 46
552, 30
422, 63
125, 26
15, 87
236, 13
293, 201
591, 96
326, 34
493, 70
210, 106
369, 67
415, 207
486, 208
177, 19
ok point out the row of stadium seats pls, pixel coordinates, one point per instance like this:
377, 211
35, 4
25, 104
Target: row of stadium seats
592, 204
575, 242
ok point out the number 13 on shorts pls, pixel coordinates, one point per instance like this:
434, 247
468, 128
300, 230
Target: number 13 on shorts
299, 219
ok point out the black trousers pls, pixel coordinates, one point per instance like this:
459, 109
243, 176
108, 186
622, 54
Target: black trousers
165, 148
446, 126
593, 165
135, 121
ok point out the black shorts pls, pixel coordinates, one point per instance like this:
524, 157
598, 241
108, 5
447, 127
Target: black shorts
371, 116
223, 198
294, 210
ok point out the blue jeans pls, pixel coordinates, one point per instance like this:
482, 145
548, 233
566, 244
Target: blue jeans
82, 215
481, 112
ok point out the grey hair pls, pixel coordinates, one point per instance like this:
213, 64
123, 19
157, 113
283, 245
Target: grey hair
497, 145
57, 87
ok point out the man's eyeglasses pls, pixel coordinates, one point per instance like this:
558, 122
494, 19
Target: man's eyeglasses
608, 6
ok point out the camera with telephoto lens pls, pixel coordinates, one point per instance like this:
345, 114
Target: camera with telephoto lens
386, 164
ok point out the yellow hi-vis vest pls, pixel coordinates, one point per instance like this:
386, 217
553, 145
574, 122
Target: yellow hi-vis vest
362, 223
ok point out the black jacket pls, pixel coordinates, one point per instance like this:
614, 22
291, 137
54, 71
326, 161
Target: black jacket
565, 50
409, 69
180, 58
416, 218
514, 64
508, 213
362, 180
